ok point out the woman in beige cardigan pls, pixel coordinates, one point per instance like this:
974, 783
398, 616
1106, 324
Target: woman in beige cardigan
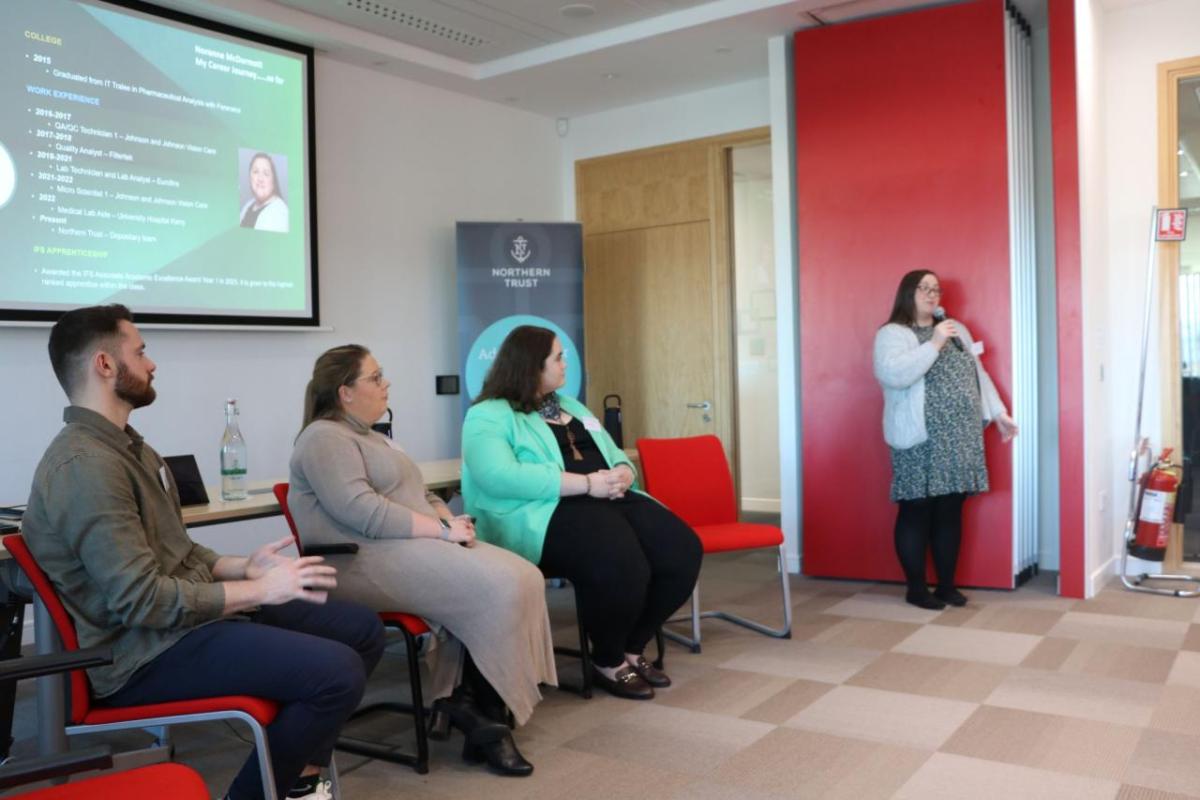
352, 484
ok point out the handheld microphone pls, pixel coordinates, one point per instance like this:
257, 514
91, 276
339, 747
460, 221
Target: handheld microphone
939, 314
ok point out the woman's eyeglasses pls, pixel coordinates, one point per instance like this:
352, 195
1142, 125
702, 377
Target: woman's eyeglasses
930, 291
375, 378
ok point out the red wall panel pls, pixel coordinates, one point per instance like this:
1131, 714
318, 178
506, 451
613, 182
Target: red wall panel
901, 164
1067, 264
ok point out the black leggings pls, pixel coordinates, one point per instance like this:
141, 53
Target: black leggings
933, 523
632, 562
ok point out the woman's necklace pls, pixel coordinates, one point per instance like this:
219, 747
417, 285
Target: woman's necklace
549, 408
551, 411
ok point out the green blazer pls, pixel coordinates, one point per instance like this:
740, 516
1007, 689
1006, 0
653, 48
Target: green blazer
512, 471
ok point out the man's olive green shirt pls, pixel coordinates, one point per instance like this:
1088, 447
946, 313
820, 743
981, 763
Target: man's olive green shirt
103, 523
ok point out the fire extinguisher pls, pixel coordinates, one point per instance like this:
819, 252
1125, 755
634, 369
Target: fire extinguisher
1156, 509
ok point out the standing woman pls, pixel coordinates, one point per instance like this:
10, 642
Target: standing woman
546, 481
937, 399
352, 484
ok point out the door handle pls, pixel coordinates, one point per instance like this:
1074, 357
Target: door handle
703, 405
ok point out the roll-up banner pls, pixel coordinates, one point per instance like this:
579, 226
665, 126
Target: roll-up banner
519, 273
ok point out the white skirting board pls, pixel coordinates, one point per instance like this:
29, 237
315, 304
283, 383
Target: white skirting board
762, 505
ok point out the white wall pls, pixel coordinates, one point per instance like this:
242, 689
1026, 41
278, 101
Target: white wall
1121, 173
725, 109
398, 164
1098, 433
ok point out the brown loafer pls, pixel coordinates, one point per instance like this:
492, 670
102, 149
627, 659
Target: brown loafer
627, 684
651, 674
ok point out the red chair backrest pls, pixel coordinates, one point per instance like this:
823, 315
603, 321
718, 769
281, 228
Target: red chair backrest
281, 490
81, 687
691, 476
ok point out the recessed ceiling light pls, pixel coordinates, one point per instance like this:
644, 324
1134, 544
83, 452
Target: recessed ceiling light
577, 11
1183, 174
610, 76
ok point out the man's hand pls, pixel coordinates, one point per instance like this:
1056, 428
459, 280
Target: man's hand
305, 578
266, 557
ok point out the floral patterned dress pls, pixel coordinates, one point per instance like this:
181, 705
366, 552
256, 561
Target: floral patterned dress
951, 460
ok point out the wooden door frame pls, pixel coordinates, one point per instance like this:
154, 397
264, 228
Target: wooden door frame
1170, 73
720, 191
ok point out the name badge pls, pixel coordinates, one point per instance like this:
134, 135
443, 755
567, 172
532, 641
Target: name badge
591, 423
977, 348
162, 477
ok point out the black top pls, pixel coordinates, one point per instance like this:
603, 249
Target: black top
591, 457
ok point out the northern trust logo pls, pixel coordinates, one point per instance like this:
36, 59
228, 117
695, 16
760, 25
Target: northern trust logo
520, 249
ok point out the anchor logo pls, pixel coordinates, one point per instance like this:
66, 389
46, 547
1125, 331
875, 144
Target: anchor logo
520, 250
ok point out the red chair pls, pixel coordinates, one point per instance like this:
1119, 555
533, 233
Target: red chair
86, 717
144, 783
410, 627
691, 477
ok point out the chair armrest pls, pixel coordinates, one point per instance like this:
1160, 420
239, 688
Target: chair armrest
340, 549
18, 669
29, 770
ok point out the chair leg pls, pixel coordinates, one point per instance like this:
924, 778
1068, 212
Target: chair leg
585, 653
784, 632
694, 617
335, 785
418, 703
264, 760
662, 648
420, 761
584, 689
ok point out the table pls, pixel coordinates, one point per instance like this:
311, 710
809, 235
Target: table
441, 476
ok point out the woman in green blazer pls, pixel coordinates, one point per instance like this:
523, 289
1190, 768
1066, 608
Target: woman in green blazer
542, 478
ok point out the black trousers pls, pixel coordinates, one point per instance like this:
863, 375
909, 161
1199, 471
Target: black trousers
632, 562
312, 659
930, 524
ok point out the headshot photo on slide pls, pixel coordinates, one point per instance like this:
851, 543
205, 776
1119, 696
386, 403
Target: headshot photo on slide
8, 176
262, 189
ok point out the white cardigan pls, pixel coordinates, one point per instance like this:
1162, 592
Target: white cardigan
273, 217
900, 366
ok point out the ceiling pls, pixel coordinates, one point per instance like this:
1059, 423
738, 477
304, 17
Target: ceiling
559, 58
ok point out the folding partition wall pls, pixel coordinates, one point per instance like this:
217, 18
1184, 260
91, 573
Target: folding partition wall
913, 150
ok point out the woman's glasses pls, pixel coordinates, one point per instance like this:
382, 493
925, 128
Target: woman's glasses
930, 291
375, 377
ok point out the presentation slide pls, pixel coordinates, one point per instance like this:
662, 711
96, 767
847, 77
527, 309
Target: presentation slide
148, 161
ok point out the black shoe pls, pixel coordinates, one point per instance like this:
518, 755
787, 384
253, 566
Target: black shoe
498, 750
439, 722
924, 599
651, 674
466, 717
951, 597
627, 684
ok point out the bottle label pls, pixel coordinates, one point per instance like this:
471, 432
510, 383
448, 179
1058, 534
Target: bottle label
235, 471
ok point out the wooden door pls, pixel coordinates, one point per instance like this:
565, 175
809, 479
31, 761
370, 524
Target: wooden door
657, 287
648, 311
